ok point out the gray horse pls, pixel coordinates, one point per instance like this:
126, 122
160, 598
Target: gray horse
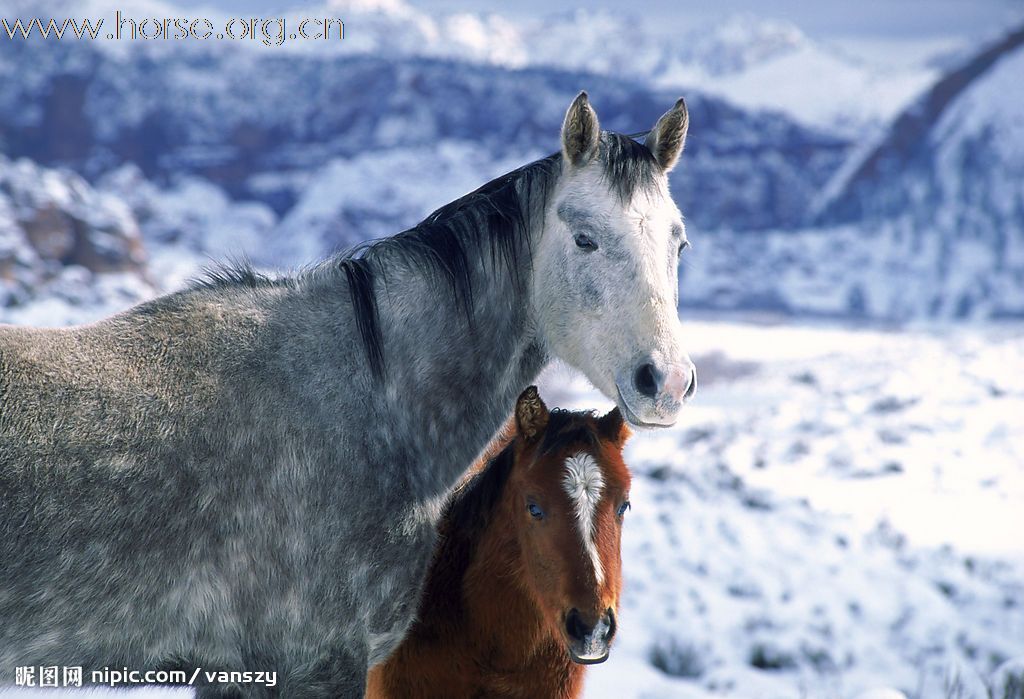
246, 475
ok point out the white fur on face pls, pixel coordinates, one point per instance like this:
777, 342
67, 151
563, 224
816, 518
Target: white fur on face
603, 312
584, 482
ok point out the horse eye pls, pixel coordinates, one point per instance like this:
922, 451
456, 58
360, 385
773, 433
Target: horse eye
623, 507
585, 242
535, 511
683, 245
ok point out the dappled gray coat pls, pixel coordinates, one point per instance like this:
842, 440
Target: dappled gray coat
216, 479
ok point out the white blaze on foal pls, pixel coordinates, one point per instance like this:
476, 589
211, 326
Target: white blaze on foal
584, 483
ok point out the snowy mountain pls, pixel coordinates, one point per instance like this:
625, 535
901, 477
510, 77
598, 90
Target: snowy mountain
815, 85
947, 181
754, 62
83, 108
963, 139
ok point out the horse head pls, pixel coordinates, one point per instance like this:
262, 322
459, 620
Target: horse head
569, 493
606, 282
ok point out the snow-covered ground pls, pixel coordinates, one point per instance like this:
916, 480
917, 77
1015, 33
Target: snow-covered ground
838, 510
841, 507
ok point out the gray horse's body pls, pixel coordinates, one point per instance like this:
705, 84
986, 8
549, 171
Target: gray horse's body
215, 479
246, 475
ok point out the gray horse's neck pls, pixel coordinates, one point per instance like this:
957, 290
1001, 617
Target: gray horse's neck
455, 373
452, 367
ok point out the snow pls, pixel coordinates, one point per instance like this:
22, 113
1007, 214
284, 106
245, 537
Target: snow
795, 82
841, 503
989, 108
903, 51
56, 231
890, 270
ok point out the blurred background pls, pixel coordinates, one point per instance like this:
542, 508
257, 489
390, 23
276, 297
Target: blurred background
841, 509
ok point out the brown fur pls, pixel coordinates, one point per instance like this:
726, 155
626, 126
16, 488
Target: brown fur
491, 620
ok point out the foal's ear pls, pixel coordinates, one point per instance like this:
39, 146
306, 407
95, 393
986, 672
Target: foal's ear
613, 428
531, 414
667, 137
580, 131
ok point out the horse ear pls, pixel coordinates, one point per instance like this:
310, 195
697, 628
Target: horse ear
667, 137
581, 132
531, 414
613, 428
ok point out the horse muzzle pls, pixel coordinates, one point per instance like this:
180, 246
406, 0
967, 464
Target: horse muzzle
652, 394
589, 644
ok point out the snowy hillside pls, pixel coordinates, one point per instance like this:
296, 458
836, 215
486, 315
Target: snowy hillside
60, 237
86, 110
888, 270
748, 60
942, 195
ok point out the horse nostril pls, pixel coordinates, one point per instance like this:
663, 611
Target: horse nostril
692, 388
609, 618
647, 380
577, 629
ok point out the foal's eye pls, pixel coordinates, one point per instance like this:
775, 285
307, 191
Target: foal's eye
623, 507
683, 245
585, 242
535, 511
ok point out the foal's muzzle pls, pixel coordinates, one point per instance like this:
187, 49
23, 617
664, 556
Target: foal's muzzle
589, 643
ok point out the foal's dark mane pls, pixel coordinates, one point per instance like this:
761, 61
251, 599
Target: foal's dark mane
494, 220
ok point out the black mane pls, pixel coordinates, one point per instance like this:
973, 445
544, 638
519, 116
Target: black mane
628, 165
236, 274
497, 216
